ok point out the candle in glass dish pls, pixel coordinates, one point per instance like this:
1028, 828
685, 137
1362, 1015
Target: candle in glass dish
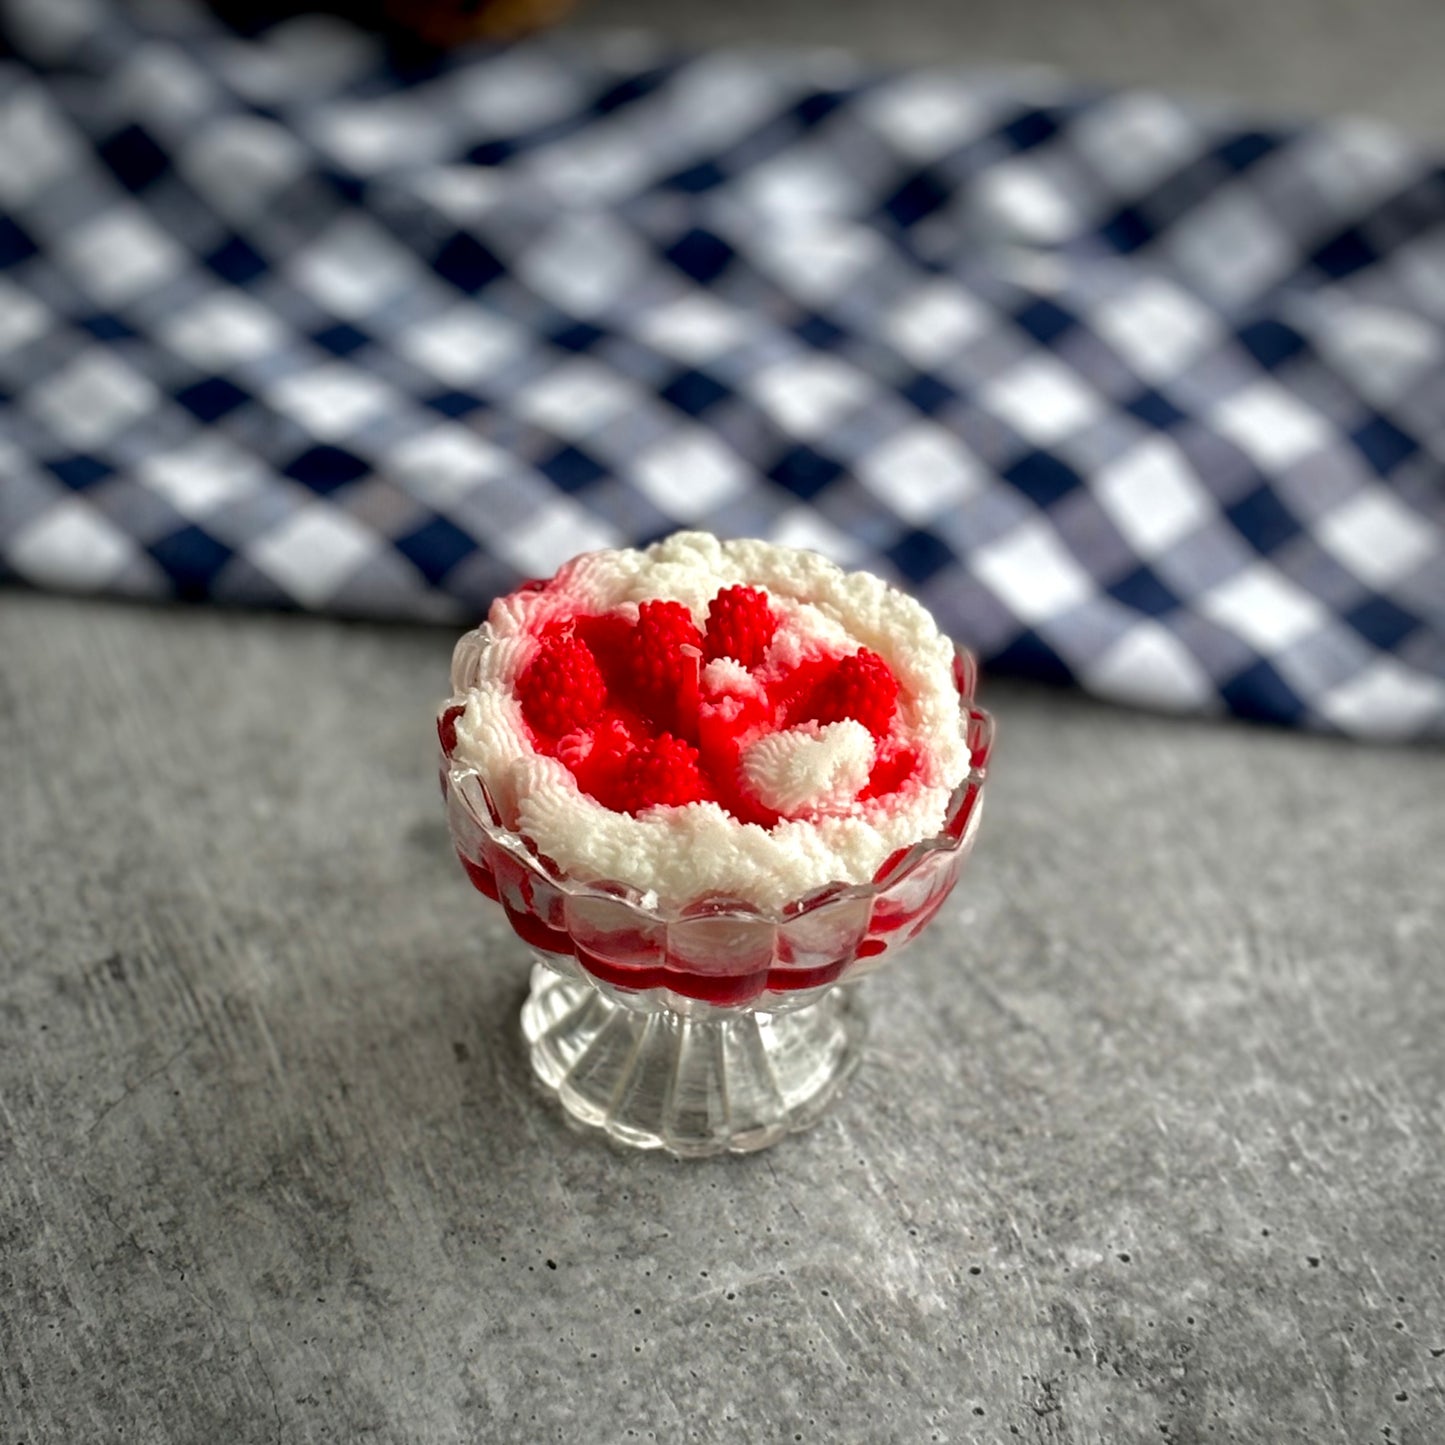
709, 782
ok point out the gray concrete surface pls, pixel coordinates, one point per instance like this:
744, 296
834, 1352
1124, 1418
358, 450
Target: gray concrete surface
1147, 1145
1281, 58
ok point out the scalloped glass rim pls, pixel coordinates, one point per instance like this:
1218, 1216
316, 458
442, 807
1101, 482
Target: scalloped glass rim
963, 804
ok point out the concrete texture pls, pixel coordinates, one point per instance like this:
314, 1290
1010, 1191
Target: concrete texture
1147, 1144
1281, 58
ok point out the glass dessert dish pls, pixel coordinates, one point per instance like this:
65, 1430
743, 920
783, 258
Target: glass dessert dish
686, 1016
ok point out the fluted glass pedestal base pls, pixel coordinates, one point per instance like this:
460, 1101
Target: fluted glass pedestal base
715, 1081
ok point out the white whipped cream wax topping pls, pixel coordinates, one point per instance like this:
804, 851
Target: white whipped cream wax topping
813, 767
810, 773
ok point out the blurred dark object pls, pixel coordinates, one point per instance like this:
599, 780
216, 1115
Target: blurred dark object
432, 22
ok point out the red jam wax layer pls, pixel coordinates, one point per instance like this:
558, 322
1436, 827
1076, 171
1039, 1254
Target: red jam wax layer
647, 963
481, 876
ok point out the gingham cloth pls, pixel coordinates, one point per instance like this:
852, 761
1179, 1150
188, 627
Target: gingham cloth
1129, 395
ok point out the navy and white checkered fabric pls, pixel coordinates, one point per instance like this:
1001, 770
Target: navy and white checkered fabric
1129, 395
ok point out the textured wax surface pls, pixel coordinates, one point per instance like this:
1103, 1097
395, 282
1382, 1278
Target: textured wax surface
1147, 1135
